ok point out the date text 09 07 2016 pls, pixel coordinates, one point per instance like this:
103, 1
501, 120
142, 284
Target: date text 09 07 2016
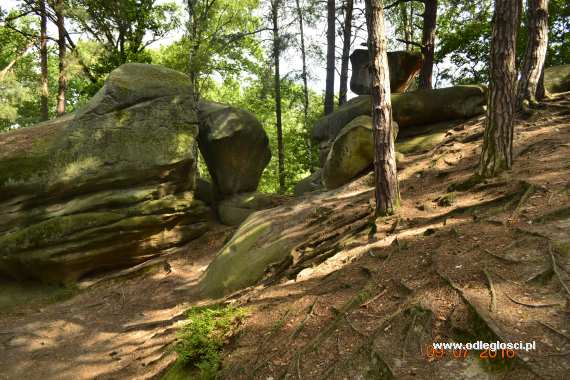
432, 353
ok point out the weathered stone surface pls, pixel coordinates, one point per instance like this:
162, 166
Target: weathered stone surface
235, 147
234, 210
557, 78
409, 109
351, 153
309, 184
403, 65
108, 187
284, 238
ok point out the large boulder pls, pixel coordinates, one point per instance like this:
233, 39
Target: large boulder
404, 66
108, 187
557, 78
409, 109
351, 153
235, 147
288, 238
234, 210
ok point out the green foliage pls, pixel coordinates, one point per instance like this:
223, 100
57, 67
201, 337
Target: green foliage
202, 338
124, 28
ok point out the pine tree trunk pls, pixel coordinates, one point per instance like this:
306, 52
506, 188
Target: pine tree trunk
277, 88
386, 177
535, 54
305, 86
347, 35
62, 81
497, 151
540, 89
428, 43
329, 84
406, 25
44, 101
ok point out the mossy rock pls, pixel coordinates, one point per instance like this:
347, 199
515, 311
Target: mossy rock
234, 210
235, 147
107, 187
409, 109
352, 152
557, 78
403, 65
309, 184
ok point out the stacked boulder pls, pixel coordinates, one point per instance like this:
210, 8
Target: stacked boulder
344, 136
115, 184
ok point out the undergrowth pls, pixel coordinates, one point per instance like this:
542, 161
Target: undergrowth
201, 339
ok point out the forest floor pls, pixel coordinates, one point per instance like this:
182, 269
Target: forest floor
462, 261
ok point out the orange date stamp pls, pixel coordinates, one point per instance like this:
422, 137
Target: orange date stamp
432, 353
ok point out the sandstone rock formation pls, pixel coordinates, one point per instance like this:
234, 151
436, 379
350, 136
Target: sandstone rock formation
114, 184
409, 109
235, 147
557, 78
234, 210
351, 153
403, 65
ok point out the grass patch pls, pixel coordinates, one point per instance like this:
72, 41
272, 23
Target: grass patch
201, 340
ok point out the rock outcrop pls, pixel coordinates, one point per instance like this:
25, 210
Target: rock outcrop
235, 147
351, 153
114, 184
403, 66
557, 78
283, 240
409, 109
234, 210
309, 184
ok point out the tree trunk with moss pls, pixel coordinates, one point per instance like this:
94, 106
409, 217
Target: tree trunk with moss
386, 177
497, 154
535, 54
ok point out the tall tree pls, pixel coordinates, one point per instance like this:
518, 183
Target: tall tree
62, 80
44, 110
406, 25
428, 43
535, 53
497, 154
275, 4
386, 177
304, 77
329, 82
346, 44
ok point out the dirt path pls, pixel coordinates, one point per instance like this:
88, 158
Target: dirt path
118, 329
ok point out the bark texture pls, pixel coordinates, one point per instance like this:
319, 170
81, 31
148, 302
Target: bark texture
329, 86
44, 110
305, 85
535, 53
428, 43
277, 88
386, 177
346, 43
62, 81
497, 154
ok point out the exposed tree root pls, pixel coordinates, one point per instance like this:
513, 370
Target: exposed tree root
555, 268
493, 304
